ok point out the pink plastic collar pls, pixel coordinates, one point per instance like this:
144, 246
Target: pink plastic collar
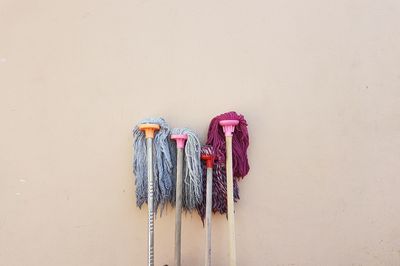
180, 140
228, 126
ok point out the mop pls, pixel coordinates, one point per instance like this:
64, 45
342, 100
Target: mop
207, 155
157, 189
232, 154
188, 182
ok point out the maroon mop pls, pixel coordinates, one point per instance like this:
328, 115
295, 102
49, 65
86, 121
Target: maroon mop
228, 135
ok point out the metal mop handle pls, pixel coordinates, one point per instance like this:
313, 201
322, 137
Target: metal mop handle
208, 216
149, 132
150, 201
180, 144
229, 127
208, 157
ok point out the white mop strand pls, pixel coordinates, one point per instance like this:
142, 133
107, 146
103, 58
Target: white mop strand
163, 164
193, 175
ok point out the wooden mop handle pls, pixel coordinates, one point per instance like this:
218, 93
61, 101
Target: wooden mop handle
229, 127
180, 144
231, 207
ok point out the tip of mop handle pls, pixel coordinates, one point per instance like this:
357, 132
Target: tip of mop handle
180, 140
149, 129
228, 126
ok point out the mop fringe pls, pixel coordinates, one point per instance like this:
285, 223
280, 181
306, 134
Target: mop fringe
192, 186
240, 142
164, 160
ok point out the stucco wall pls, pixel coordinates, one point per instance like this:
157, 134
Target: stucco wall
318, 82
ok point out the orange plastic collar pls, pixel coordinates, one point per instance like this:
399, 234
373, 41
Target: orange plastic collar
149, 129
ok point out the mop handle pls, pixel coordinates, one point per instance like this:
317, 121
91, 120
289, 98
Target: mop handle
231, 207
208, 216
229, 127
150, 201
208, 157
180, 144
178, 206
149, 134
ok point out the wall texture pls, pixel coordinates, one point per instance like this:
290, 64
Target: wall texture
319, 82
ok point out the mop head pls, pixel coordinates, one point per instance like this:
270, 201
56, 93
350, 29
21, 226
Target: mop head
163, 164
240, 143
192, 185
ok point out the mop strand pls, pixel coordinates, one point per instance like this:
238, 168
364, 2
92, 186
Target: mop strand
216, 139
192, 193
163, 164
207, 150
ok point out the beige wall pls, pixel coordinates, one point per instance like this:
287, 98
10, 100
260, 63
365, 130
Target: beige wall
317, 80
